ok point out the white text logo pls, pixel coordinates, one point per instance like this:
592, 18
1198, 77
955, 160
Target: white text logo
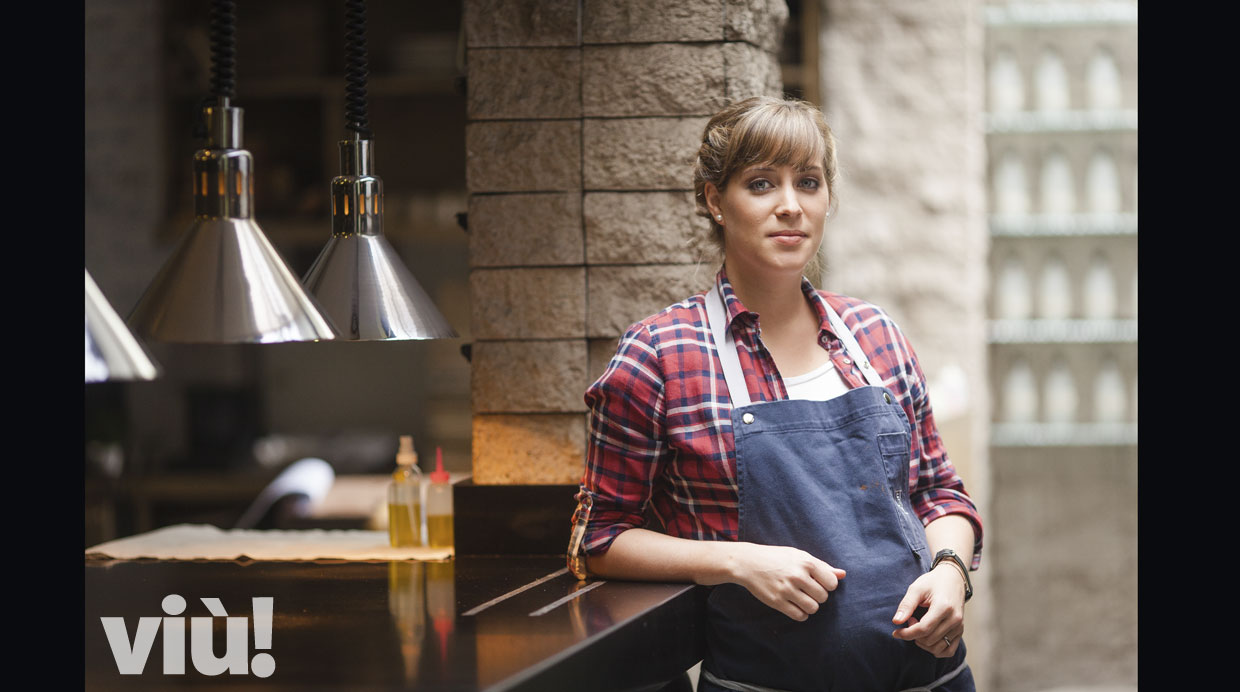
131, 654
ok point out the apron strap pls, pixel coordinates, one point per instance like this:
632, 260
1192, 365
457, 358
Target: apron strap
716, 314
726, 345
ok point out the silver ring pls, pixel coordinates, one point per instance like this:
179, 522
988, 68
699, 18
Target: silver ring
948, 640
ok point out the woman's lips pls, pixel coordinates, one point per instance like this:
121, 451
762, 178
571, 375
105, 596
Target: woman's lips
788, 237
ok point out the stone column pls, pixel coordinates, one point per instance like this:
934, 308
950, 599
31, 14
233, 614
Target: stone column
903, 91
583, 120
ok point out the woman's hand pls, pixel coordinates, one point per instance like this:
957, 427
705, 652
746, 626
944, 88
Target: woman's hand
941, 591
787, 579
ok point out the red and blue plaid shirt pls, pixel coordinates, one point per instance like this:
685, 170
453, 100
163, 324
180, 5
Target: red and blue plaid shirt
661, 441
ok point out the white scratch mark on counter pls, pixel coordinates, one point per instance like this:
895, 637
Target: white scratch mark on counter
514, 592
551, 606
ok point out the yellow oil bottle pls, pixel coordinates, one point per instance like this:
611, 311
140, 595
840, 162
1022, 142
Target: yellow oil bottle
405, 498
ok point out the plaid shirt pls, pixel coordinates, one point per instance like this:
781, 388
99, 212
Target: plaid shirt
661, 441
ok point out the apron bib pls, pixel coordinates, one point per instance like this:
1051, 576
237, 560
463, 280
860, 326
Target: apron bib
831, 478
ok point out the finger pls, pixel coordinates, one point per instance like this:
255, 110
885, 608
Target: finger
902, 632
922, 630
810, 587
942, 621
804, 603
793, 610
914, 597
937, 647
826, 575
946, 645
933, 625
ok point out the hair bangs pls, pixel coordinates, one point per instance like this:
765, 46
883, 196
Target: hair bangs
778, 136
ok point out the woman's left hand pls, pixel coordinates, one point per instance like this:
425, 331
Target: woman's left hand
941, 591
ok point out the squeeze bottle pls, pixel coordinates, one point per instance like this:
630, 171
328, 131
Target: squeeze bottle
405, 498
439, 506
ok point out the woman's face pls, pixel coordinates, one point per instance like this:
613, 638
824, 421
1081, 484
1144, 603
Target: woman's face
773, 217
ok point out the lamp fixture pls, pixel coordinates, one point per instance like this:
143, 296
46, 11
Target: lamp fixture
358, 278
225, 282
112, 352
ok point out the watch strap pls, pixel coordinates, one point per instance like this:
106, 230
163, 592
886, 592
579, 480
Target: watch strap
949, 554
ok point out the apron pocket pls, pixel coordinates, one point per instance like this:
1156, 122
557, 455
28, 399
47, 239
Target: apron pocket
894, 449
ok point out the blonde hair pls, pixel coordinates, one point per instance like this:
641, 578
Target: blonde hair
761, 130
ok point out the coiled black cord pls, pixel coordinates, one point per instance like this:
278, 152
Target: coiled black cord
355, 70
223, 62
223, 48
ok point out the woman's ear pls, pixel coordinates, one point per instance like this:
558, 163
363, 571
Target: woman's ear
712, 200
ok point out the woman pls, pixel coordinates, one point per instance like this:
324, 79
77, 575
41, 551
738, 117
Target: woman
784, 439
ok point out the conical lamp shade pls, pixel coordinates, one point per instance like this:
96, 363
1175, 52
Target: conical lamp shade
225, 283
369, 294
358, 278
112, 353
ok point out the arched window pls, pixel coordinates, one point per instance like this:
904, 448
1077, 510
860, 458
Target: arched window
1011, 191
1013, 294
1110, 399
1104, 84
1099, 289
1052, 82
1059, 403
1020, 394
1102, 182
1058, 190
1007, 86
1055, 290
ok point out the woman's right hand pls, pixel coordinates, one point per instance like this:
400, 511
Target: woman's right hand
787, 579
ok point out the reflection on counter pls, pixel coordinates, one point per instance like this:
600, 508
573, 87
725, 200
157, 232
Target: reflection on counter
405, 587
441, 601
418, 592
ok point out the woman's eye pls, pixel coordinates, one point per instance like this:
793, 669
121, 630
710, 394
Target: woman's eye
810, 183
760, 184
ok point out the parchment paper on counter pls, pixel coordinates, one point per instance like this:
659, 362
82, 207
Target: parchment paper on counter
205, 542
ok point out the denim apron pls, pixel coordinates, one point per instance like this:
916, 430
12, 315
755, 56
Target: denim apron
831, 478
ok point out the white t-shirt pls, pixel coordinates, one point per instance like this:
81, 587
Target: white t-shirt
820, 384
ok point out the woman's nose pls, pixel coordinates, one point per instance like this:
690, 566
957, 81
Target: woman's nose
789, 204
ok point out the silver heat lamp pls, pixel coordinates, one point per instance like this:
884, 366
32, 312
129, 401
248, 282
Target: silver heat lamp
358, 278
112, 352
225, 283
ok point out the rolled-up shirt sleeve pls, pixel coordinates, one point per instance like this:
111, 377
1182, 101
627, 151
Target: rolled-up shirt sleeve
938, 491
626, 448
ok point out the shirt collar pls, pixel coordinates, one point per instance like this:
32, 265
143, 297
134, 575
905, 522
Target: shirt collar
737, 309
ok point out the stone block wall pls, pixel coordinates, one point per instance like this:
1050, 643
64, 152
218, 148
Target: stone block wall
583, 120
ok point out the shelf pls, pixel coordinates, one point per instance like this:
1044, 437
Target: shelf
1061, 331
1061, 225
1063, 434
1024, 14
1022, 122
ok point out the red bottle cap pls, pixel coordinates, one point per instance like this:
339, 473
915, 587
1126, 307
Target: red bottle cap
439, 475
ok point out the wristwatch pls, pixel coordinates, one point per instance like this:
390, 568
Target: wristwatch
949, 554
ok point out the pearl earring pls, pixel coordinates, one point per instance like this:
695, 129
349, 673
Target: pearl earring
719, 217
